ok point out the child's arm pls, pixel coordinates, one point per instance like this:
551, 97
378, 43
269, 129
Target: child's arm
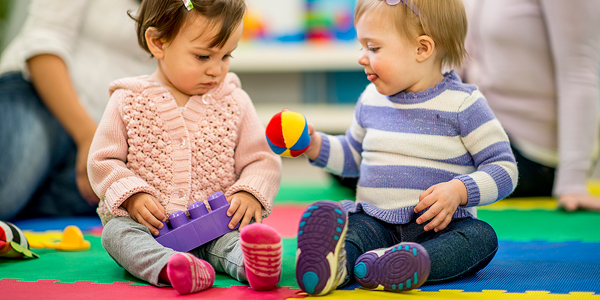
146, 210
442, 200
109, 176
244, 207
257, 167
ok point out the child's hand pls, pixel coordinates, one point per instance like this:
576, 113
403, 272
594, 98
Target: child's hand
146, 210
442, 200
315, 145
244, 207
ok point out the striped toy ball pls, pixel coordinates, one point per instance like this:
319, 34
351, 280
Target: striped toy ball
287, 134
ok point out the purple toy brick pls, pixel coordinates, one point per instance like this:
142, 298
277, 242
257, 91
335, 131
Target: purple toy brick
183, 234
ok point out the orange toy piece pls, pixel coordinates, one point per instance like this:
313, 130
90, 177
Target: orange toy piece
72, 240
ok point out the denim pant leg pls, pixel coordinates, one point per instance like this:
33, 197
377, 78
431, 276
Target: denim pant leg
365, 233
37, 156
225, 255
134, 248
466, 246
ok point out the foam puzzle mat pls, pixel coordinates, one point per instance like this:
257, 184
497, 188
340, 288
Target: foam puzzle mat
544, 253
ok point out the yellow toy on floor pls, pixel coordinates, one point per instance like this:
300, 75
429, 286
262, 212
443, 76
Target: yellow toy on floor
70, 240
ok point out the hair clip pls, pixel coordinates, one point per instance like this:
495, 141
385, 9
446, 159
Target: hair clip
411, 6
188, 4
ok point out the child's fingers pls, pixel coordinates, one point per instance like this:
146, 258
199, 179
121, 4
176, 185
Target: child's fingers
149, 218
158, 210
235, 205
258, 216
424, 200
143, 221
435, 222
444, 224
246, 220
237, 217
429, 214
311, 129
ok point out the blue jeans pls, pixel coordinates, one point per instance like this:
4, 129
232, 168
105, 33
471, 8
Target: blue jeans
464, 247
37, 157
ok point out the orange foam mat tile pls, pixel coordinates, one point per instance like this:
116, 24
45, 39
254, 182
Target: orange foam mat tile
14, 289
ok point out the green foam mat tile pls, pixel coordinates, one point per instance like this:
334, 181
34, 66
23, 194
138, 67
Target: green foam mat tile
544, 225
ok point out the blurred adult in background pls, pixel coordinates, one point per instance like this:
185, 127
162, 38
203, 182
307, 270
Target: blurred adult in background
536, 62
54, 78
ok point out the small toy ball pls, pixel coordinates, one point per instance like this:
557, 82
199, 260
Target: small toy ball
287, 134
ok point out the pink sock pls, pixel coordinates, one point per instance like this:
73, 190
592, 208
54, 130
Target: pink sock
189, 274
261, 246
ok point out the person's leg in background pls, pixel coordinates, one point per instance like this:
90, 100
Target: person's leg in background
535, 180
37, 157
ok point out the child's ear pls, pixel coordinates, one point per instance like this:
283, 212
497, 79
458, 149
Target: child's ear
155, 45
425, 48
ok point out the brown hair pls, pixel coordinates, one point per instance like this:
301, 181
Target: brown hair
168, 16
444, 21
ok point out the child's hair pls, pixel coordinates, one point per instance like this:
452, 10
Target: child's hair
445, 21
168, 16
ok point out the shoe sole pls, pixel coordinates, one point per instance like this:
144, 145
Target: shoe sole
400, 268
321, 235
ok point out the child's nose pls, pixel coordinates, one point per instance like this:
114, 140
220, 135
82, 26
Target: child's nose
362, 59
215, 69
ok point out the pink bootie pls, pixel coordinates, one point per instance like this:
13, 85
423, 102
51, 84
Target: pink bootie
262, 250
189, 274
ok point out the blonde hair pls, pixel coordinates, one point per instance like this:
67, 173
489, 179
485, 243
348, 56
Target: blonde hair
444, 21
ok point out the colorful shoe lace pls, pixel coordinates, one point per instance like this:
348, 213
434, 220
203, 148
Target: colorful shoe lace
321, 257
189, 274
400, 268
261, 246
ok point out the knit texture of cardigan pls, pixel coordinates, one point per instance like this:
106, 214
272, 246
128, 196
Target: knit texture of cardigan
401, 145
144, 143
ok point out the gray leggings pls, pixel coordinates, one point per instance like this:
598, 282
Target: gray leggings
134, 248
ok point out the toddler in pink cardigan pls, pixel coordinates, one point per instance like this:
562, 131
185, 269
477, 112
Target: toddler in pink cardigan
173, 138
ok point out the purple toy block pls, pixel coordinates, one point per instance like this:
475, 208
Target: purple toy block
183, 234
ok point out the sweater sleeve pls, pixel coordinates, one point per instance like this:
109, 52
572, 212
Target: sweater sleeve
574, 38
109, 176
51, 27
259, 169
483, 136
341, 154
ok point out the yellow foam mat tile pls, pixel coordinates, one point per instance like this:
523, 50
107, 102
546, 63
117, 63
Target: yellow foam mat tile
361, 294
542, 203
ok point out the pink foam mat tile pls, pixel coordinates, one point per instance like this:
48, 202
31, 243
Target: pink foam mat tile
15, 289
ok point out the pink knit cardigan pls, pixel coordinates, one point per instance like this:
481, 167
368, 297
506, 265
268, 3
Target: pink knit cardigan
144, 143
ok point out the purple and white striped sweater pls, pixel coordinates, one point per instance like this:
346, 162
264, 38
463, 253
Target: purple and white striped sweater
402, 144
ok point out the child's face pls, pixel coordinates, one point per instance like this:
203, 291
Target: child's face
389, 60
190, 65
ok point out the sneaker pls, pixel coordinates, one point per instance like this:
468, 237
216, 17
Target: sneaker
400, 268
321, 257
189, 274
261, 246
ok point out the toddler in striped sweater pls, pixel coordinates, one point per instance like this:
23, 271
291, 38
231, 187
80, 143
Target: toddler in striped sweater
427, 150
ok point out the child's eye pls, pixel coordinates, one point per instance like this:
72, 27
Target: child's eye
203, 57
227, 56
373, 49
